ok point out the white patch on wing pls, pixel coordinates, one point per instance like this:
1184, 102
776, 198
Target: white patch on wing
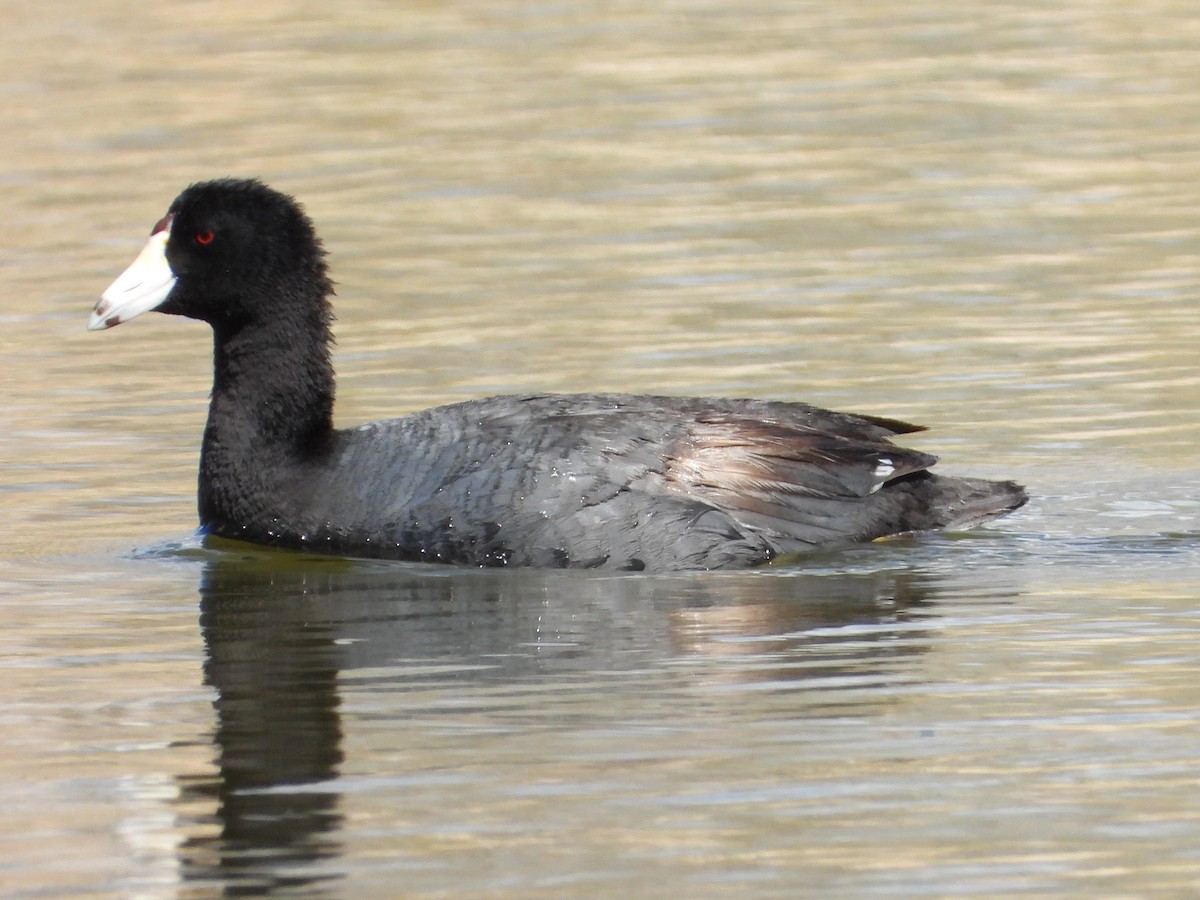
884, 467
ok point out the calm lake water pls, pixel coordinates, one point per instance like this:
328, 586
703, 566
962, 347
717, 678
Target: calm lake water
981, 216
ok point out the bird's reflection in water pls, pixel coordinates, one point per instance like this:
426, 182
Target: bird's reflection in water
810, 631
279, 630
274, 668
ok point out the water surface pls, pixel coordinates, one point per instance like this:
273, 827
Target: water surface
982, 218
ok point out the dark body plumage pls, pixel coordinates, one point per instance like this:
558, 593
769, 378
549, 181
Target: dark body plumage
591, 480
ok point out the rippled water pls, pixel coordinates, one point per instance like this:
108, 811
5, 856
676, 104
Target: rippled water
980, 217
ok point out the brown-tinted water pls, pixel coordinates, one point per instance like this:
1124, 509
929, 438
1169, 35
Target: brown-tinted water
980, 217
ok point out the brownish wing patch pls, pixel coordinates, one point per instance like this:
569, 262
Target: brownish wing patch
755, 458
803, 484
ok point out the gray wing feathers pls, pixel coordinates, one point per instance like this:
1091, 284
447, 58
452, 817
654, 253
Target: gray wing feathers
620, 480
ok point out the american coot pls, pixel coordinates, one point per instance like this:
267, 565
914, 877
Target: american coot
618, 481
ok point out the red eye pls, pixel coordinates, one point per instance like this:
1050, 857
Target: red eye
204, 238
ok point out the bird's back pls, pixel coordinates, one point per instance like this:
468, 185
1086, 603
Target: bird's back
629, 482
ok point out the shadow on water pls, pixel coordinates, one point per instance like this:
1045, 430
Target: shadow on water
282, 632
288, 639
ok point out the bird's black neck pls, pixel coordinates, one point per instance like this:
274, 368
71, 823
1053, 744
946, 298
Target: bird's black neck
271, 412
278, 381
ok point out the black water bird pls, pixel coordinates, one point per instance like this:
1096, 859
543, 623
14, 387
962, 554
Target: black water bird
618, 481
